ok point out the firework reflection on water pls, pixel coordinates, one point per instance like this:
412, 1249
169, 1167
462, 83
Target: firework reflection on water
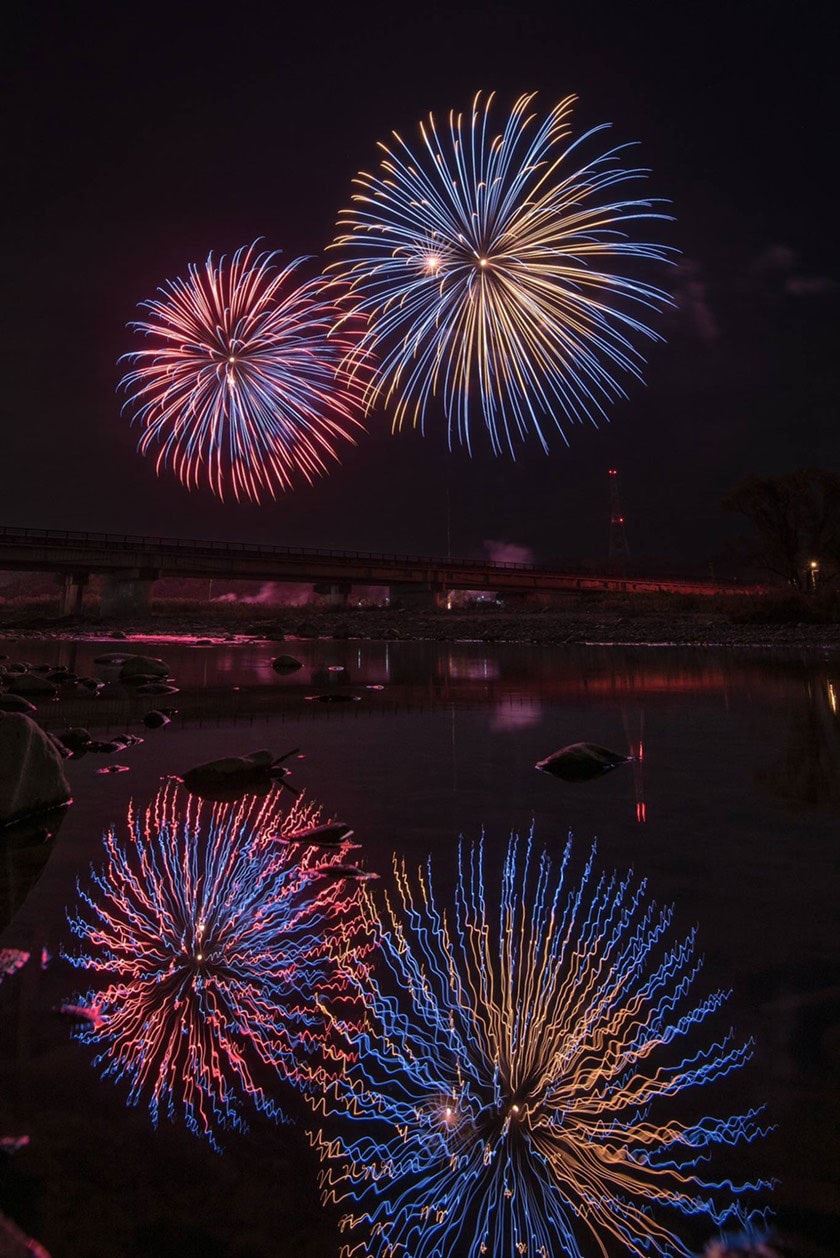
217, 944
514, 1086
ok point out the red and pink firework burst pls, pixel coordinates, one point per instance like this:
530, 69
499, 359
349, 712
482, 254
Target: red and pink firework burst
246, 384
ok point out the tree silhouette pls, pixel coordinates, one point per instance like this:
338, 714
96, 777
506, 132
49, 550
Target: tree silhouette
797, 517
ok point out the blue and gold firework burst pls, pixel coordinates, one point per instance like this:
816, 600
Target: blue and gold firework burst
495, 270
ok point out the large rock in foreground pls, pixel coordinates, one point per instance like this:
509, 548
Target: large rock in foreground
581, 761
31, 772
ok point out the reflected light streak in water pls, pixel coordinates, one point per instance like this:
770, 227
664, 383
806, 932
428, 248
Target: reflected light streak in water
514, 1089
517, 712
217, 945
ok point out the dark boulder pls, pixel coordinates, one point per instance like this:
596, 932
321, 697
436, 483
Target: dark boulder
148, 665
236, 775
90, 683
75, 739
105, 747
286, 664
138, 679
32, 777
31, 684
581, 761
156, 720
16, 703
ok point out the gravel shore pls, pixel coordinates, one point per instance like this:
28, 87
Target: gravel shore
551, 626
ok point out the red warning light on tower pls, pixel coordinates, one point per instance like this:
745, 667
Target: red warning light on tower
619, 551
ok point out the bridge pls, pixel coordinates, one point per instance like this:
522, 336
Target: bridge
131, 564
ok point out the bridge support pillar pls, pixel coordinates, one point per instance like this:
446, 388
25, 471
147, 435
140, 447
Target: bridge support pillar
125, 593
71, 592
418, 598
334, 593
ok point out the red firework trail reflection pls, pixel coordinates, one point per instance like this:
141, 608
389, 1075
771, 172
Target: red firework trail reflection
219, 944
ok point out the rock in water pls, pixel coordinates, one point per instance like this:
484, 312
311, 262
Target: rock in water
581, 761
331, 834
155, 719
31, 684
31, 772
145, 664
286, 664
237, 774
16, 703
75, 739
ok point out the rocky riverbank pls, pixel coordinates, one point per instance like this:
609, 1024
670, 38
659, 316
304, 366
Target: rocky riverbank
549, 626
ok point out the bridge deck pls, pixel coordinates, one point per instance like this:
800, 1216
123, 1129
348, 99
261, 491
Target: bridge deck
79, 554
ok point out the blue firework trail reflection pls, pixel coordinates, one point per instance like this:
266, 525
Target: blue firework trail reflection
515, 1085
219, 941
495, 270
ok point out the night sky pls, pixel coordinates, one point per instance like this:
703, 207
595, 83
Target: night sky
140, 137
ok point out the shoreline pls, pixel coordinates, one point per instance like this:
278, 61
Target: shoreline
548, 627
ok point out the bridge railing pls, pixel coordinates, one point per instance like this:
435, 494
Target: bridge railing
252, 548
260, 550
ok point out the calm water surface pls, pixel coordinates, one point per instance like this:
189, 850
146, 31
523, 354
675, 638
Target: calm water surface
730, 810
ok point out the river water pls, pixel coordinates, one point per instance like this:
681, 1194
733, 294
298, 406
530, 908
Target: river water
729, 808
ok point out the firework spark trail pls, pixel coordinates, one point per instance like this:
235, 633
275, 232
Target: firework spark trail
243, 387
219, 946
485, 266
512, 1085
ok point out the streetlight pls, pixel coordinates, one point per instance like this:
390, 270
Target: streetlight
815, 572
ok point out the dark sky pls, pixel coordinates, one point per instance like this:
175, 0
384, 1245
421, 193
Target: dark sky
139, 137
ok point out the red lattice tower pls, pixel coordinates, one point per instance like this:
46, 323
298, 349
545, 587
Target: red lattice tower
619, 551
